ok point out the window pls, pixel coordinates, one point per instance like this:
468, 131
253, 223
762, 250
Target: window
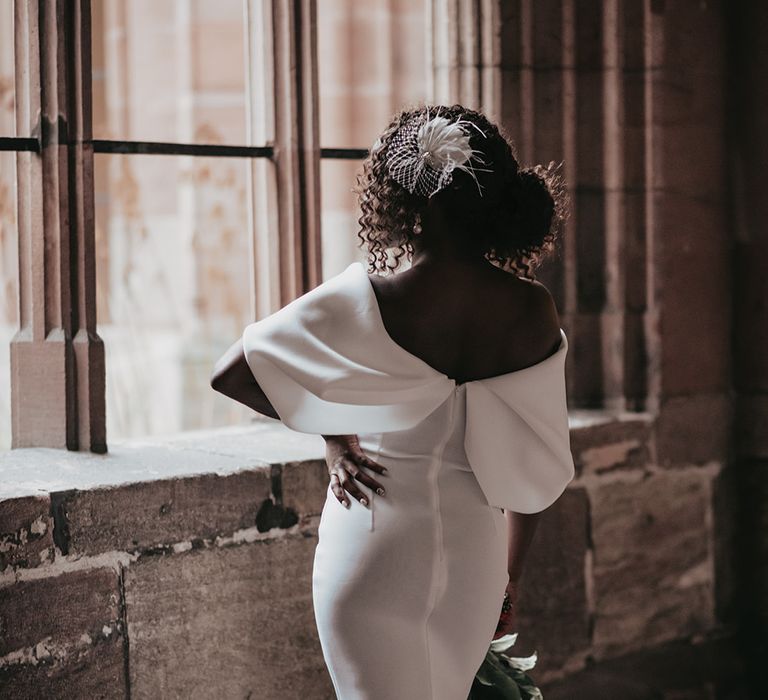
9, 265
371, 62
225, 143
221, 189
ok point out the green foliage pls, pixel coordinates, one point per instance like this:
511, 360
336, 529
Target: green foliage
501, 677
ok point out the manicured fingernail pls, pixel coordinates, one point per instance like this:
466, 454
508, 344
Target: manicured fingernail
364, 501
380, 491
346, 504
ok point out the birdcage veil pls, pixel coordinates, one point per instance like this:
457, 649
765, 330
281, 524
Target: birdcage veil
424, 152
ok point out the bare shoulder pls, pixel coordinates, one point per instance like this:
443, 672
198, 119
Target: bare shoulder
539, 318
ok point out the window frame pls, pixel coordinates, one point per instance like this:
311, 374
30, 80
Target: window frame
57, 357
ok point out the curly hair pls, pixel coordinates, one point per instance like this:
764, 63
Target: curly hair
513, 224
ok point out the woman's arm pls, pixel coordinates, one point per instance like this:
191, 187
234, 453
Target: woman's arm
520, 530
233, 377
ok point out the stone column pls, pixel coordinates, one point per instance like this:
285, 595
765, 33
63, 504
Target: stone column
464, 50
57, 358
689, 232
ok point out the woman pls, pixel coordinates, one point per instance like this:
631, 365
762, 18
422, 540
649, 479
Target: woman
440, 390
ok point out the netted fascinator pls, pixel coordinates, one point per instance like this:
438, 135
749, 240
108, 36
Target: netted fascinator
424, 152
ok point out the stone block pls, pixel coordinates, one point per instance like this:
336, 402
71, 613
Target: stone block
26, 532
583, 369
699, 177
59, 610
226, 622
693, 429
652, 567
696, 347
553, 617
304, 486
612, 445
143, 515
95, 671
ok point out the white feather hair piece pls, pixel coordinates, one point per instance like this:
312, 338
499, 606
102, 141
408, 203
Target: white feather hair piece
423, 154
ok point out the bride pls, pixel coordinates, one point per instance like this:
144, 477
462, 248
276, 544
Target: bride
440, 393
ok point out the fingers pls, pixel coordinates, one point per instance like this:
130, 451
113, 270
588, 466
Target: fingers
338, 490
366, 461
349, 485
366, 479
346, 468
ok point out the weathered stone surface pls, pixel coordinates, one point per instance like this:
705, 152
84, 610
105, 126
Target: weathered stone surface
583, 368
94, 671
26, 532
264, 441
694, 356
230, 622
653, 572
693, 429
553, 617
618, 444
59, 609
137, 516
304, 486
29, 471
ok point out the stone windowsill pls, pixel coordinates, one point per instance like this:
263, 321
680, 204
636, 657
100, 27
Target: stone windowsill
600, 440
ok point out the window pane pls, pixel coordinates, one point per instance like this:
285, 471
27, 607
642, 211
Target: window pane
9, 277
9, 265
7, 91
169, 71
172, 247
372, 63
340, 212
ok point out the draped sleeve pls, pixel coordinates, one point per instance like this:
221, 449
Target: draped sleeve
517, 436
323, 364
328, 366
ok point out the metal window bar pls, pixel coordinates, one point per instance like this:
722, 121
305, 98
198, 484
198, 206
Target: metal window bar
181, 149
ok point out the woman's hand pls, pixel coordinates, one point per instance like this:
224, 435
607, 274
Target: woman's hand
345, 460
508, 620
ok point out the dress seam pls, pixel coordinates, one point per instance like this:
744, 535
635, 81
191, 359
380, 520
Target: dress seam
438, 559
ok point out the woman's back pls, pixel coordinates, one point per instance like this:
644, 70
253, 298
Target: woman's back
450, 375
468, 320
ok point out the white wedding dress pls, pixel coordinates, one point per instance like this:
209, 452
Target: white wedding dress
407, 591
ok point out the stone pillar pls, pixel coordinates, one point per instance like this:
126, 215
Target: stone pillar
57, 358
572, 92
464, 50
297, 148
689, 232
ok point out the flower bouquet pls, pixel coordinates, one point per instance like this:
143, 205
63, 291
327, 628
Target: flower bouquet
502, 677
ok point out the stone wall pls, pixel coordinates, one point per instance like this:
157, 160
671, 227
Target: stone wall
182, 568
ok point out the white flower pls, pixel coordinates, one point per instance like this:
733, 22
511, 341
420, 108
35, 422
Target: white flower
521, 663
503, 643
